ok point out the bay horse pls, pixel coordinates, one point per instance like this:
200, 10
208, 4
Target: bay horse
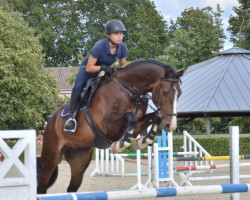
118, 108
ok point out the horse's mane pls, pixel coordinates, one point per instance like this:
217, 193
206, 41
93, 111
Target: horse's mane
138, 63
145, 61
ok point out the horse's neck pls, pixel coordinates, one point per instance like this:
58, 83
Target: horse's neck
140, 79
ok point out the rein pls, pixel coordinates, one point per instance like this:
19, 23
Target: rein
136, 95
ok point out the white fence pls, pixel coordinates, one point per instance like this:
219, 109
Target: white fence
17, 178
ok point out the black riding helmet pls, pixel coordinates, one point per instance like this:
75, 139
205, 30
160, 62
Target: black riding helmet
114, 25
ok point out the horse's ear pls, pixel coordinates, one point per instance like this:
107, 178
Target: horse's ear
181, 72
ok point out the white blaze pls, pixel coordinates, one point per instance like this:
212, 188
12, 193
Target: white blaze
174, 121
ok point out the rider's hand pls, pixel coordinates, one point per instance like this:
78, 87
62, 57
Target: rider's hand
107, 69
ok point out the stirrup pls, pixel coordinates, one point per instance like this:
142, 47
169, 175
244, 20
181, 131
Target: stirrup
70, 130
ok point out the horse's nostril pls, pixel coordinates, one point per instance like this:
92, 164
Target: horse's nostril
167, 127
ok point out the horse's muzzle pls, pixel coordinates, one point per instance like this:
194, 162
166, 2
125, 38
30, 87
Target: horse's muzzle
169, 126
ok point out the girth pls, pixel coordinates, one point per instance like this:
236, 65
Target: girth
101, 141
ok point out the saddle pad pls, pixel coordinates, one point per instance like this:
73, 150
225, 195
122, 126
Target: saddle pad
65, 111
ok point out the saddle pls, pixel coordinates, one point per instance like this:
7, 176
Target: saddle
86, 96
101, 141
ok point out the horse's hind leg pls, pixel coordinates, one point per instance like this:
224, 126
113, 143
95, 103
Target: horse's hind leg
78, 160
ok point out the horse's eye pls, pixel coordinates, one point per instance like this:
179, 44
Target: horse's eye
165, 93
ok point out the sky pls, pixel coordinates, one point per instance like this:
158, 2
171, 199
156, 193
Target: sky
174, 8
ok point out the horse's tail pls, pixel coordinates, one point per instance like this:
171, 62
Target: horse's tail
53, 177
39, 168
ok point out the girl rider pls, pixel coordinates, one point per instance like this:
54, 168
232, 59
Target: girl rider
104, 53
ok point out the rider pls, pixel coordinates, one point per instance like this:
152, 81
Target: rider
104, 53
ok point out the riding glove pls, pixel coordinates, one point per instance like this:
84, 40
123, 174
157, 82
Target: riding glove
107, 69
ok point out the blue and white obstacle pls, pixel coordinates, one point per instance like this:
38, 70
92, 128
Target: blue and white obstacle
151, 193
23, 188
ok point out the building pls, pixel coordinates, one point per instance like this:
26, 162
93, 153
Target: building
61, 76
217, 87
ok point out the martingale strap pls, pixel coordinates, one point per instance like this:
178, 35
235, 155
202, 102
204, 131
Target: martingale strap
134, 93
101, 141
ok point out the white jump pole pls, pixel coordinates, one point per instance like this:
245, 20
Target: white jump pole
234, 159
139, 185
138, 169
150, 182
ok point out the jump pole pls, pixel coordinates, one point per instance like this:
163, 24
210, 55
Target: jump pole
163, 159
151, 193
234, 160
193, 168
211, 158
139, 185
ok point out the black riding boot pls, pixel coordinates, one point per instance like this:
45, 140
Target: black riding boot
71, 124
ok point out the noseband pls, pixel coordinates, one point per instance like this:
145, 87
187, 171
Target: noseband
159, 107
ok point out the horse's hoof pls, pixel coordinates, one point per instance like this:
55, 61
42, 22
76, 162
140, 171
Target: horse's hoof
115, 147
138, 144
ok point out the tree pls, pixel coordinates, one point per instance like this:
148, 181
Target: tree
59, 24
239, 25
69, 29
242, 122
194, 37
198, 126
27, 94
147, 36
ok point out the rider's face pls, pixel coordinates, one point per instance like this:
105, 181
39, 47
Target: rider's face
116, 37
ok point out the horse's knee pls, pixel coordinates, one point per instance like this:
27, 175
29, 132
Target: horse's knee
131, 119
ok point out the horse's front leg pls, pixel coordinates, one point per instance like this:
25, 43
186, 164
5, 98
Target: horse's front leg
150, 119
125, 141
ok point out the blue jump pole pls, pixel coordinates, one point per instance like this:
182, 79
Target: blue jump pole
150, 193
159, 157
164, 144
162, 155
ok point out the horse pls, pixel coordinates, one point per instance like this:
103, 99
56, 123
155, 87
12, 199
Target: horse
118, 109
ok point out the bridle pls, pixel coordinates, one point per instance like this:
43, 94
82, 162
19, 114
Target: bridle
158, 104
134, 93
139, 97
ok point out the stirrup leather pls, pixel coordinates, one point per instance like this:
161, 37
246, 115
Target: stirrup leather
70, 130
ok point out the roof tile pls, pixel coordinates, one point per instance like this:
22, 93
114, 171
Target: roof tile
61, 74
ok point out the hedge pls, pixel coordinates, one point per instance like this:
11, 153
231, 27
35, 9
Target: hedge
215, 146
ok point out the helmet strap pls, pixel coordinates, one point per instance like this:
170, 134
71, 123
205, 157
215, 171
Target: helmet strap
114, 43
